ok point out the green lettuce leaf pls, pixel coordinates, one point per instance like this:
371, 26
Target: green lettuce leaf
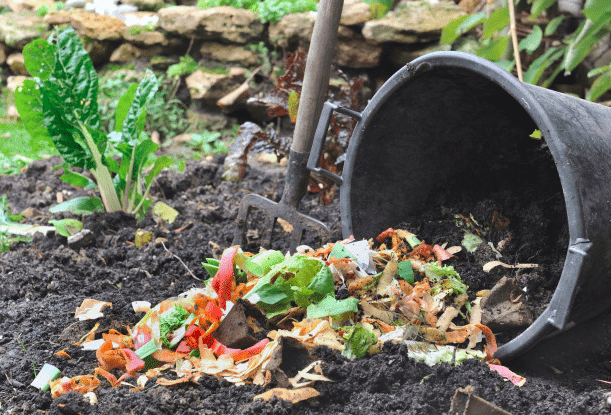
329, 306
170, 321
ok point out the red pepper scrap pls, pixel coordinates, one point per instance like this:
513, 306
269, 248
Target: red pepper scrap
223, 280
237, 354
387, 233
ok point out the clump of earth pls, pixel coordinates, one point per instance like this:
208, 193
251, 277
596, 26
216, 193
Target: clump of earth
43, 282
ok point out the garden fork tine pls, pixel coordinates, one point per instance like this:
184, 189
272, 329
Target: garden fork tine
315, 82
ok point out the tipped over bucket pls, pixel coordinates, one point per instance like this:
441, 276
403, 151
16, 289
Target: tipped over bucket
449, 126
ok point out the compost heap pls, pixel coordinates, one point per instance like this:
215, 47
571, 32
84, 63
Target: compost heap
350, 296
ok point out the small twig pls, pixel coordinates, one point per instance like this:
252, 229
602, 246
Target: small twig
181, 261
514, 38
190, 45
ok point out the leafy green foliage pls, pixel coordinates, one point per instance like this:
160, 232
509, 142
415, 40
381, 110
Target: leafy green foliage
546, 59
379, 7
43, 10
268, 10
164, 114
186, 66
602, 84
208, 142
61, 102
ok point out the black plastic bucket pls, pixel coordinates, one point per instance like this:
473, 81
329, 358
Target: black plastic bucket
450, 124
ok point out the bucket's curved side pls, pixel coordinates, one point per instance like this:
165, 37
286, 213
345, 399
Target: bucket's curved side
548, 110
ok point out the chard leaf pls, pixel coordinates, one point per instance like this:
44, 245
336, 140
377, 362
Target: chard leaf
358, 342
134, 119
78, 180
329, 306
69, 96
39, 58
79, 206
28, 101
123, 107
160, 164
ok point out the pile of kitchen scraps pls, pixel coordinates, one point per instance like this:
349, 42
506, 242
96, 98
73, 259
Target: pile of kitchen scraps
350, 296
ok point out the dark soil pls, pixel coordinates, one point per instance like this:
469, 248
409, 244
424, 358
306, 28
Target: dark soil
43, 282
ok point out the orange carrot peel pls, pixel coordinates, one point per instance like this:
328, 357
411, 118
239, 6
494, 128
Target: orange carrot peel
124, 359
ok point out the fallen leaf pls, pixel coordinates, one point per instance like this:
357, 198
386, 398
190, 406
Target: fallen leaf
292, 395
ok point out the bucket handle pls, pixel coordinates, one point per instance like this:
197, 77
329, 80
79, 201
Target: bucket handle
321, 134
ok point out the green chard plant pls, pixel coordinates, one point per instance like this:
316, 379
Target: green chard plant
61, 103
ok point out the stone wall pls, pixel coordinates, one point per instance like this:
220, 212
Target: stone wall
223, 34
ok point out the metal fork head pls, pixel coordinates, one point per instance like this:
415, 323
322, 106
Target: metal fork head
273, 211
